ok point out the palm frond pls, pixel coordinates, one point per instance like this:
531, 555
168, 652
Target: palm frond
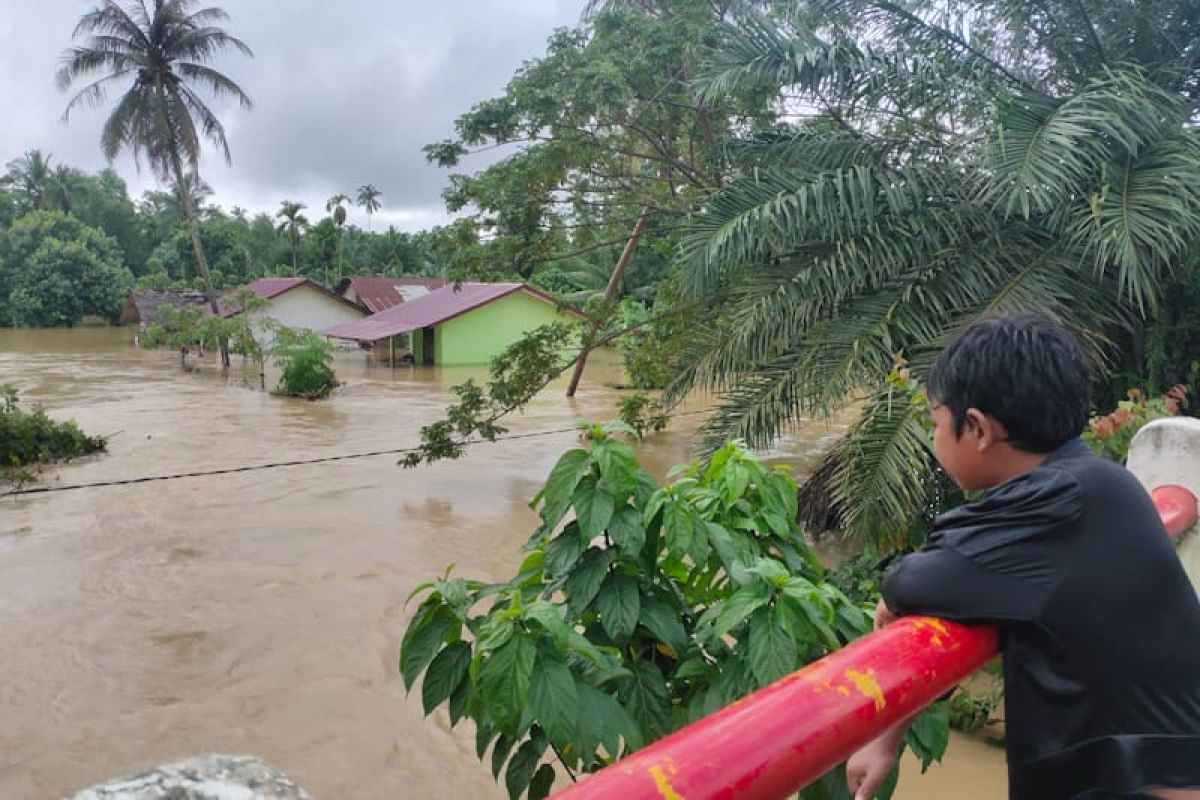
217, 83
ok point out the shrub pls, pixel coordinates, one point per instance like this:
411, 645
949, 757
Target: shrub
306, 359
1111, 434
30, 438
639, 609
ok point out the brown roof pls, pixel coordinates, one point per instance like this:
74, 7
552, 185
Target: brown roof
380, 292
145, 306
270, 288
435, 308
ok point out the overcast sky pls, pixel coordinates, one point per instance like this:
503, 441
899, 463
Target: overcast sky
346, 92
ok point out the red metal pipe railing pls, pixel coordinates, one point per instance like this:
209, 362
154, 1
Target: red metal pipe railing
780, 739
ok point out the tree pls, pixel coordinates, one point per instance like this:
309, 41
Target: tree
292, 224
983, 157
336, 206
55, 270
368, 200
165, 51
31, 177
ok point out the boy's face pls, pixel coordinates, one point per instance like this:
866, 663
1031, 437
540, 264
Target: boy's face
963, 456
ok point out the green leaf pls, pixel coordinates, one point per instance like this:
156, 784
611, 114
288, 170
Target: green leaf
728, 615
594, 506
771, 571
420, 645
619, 604
627, 531
771, 652
484, 734
542, 783
504, 745
522, 766
663, 621
550, 616
504, 681
645, 695
618, 466
678, 526
585, 581
457, 707
495, 632
930, 735
446, 672
560, 486
606, 722
562, 553
554, 699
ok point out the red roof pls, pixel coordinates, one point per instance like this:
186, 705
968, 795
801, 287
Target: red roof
266, 288
270, 288
435, 308
378, 293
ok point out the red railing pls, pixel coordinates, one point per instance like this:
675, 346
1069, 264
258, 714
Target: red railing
778, 740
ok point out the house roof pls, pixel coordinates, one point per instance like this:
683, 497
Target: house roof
377, 292
270, 288
437, 307
146, 306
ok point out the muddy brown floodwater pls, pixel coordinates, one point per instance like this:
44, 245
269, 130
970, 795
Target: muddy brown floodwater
261, 612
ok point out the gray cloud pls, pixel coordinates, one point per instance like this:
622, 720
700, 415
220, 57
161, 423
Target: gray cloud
345, 93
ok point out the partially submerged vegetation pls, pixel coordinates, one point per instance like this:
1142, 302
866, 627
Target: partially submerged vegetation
30, 440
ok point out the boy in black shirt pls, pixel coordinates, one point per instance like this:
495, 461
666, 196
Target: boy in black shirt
1066, 555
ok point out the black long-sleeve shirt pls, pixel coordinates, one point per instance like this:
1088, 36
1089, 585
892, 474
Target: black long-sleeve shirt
1100, 626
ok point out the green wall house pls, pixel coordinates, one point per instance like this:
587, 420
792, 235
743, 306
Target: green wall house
458, 326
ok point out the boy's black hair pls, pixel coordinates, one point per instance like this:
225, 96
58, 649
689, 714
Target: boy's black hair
1025, 370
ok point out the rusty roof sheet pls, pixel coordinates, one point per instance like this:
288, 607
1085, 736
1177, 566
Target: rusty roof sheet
379, 292
435, 308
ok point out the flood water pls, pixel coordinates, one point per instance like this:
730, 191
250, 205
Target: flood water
261, 612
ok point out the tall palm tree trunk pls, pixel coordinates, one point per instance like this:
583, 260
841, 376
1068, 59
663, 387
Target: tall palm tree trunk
610, 294
189, 213
295, 268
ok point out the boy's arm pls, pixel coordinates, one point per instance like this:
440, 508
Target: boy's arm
940, 581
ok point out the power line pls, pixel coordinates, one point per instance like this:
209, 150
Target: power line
280, 464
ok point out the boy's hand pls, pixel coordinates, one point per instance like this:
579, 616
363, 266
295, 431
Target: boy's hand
867, 769
883, 616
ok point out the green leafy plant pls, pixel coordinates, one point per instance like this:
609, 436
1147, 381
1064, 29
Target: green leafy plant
306, 359
1110, 435
29, 439
642, 413
638, 609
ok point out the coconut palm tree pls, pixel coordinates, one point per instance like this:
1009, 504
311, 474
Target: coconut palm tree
368, 200
1049, 164
336, 206
32, 178
292, 224
161, 53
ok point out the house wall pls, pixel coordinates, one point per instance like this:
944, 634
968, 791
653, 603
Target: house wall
305, 307
479, 335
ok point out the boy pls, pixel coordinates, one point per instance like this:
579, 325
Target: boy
1066, 555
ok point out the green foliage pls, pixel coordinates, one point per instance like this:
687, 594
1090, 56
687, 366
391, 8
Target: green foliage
306, 359
1110, 435
54, 270
521, 371
29, 439
642, 413
638, 609
972, 711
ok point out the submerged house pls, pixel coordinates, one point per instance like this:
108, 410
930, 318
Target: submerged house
375, 293
144, 307
459, 325
301, 303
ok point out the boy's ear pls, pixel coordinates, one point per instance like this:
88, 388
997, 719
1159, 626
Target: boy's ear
988, 430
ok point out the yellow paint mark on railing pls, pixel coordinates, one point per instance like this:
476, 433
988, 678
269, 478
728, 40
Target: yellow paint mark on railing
665, 790
867, 686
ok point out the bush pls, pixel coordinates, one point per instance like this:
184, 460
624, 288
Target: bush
30, 438
639, 609
1111, 435
306, 359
